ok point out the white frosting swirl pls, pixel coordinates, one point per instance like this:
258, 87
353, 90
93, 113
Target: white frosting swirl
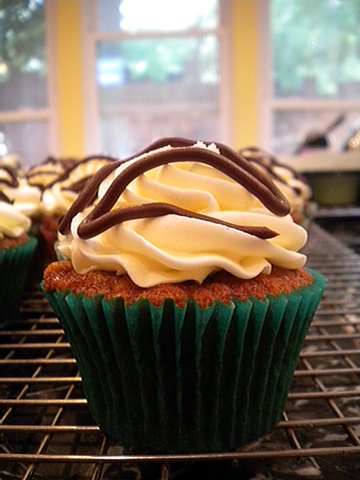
26, 198
173, 248
13, 223
295, 190
58, 198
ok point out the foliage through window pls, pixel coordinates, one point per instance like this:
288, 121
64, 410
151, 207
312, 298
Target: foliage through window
24, 115
315, 70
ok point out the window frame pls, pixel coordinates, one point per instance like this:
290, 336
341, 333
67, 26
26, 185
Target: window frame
90, 37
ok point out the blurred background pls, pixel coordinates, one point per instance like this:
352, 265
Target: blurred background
86, 76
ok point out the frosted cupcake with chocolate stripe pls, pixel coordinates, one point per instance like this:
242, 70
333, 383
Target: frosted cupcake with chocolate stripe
16, 249
184, 296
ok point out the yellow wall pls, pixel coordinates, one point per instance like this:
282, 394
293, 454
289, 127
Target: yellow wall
70, 81
70, 98
245, 81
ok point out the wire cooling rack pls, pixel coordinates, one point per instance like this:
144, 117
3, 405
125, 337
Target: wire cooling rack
47, 433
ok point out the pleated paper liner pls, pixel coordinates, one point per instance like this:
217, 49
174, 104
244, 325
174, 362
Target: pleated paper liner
14, 269
172, 380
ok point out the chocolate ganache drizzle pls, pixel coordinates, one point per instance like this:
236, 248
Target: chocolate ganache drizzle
4, 198
9, 179
269, 162
228, 161
67, 166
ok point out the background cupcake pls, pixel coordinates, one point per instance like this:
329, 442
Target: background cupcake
59, 181
291, 183
16, 251
184, 297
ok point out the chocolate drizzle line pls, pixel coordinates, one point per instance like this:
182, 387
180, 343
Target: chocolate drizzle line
268, 161
229, 162
87, 196
69, 166
151, 210
12, 181
242, 157
4, 198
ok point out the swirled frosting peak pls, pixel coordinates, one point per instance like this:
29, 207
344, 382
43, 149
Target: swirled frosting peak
61, 179
181, 210
14, 210
292, 185
13, 223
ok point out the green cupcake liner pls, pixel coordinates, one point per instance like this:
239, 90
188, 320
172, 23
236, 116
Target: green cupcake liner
172, 380
14, 268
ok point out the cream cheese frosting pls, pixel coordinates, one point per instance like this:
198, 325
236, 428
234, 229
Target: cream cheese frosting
59, 181
60, 194
26, 198
296, 190
209, 219
13, 223
18, 201
293, 186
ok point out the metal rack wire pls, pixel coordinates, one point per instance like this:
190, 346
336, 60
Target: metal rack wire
47, 433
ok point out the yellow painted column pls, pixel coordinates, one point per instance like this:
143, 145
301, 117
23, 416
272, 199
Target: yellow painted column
70, 81
246, 77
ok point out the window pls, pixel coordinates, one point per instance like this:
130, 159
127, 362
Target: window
155, 74
26, 107
311, 75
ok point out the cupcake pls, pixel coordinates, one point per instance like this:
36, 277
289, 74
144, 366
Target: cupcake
184, 297
16, 250
59, 181
26, 198
291, 183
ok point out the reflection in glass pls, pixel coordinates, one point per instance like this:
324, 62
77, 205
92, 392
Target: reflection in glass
291, 128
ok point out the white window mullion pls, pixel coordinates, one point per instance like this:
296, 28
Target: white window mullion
91, 110
304, 104
265, 72
53, 104
226, 77
24, 115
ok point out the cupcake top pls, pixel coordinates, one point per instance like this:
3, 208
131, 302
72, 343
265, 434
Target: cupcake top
60, 180
25, 197
13, 223
181, 210
292, 185
17, 204
49, 171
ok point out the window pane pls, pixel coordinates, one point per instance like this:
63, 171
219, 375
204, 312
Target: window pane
128, 133
153, 87
316, 48
134, 16
30, 140
23, 76
175, 61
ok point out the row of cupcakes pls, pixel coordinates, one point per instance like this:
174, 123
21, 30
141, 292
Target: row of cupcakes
39, 196
31, 203
182, 290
